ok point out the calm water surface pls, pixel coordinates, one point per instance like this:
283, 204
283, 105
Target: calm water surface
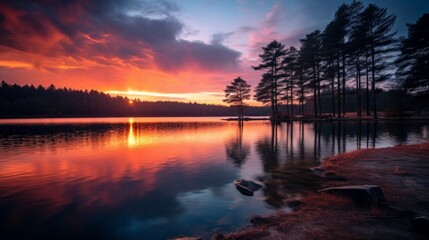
154, 178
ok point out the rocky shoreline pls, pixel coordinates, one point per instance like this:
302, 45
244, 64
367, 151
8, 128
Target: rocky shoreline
368, 194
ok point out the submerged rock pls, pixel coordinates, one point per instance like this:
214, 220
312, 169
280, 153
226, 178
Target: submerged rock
420, 224
319, 170
246, 187
363, 196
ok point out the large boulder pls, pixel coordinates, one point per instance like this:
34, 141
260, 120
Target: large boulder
246, 187
365, 196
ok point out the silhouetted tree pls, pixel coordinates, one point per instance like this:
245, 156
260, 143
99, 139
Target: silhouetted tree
263, 90
236, 94
300, 82
330, 56
341, 24
413, 62
335, 52
271, 61
290, 67
357, 47
380, 41
30, 101
311, 58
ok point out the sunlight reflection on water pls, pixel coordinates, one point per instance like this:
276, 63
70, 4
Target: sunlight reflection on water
154, 178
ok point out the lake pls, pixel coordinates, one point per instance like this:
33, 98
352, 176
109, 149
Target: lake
155, 178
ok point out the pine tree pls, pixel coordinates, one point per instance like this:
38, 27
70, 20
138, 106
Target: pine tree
329, 54
380, 42
341, 23
357, 46
290, 77
311, 57
236, 93
271, 61
413, 62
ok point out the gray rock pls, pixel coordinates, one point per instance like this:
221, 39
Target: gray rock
365, 196
318, 170
420, 224
246, 187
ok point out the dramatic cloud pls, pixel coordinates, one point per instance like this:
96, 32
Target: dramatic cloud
162, 47
105, 33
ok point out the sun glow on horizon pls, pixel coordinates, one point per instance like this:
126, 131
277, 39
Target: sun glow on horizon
200, 97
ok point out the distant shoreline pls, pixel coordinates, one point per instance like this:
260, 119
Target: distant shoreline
229, 118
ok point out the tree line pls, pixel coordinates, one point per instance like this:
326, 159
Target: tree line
357, 53
31, 101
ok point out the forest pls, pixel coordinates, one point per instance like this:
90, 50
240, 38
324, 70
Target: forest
349, 66
355, 64
31, 101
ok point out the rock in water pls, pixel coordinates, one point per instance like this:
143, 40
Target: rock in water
246, 187
318, 170
363, 196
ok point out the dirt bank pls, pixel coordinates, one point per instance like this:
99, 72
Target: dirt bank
402, 172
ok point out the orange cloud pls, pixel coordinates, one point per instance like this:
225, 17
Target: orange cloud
79, 44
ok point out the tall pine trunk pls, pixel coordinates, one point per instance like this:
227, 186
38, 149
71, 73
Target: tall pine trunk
367, 85
338, 85
344, 83
314, 91
302, 93
333, 91
318, 90
358, 88
273, 107
373, 73
291, 93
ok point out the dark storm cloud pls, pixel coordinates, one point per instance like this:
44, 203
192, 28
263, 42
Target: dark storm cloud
141, 33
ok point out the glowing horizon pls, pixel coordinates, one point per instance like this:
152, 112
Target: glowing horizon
201, 97
156, 50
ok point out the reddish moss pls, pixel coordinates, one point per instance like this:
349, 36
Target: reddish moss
400, 171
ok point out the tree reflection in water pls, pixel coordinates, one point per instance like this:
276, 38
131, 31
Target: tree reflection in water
236, 151
293, 147
285, 162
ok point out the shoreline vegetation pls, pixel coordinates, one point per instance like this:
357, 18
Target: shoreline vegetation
340, 64
401, 173
330, 118
51, 102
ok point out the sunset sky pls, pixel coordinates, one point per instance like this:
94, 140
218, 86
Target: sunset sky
184, 50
